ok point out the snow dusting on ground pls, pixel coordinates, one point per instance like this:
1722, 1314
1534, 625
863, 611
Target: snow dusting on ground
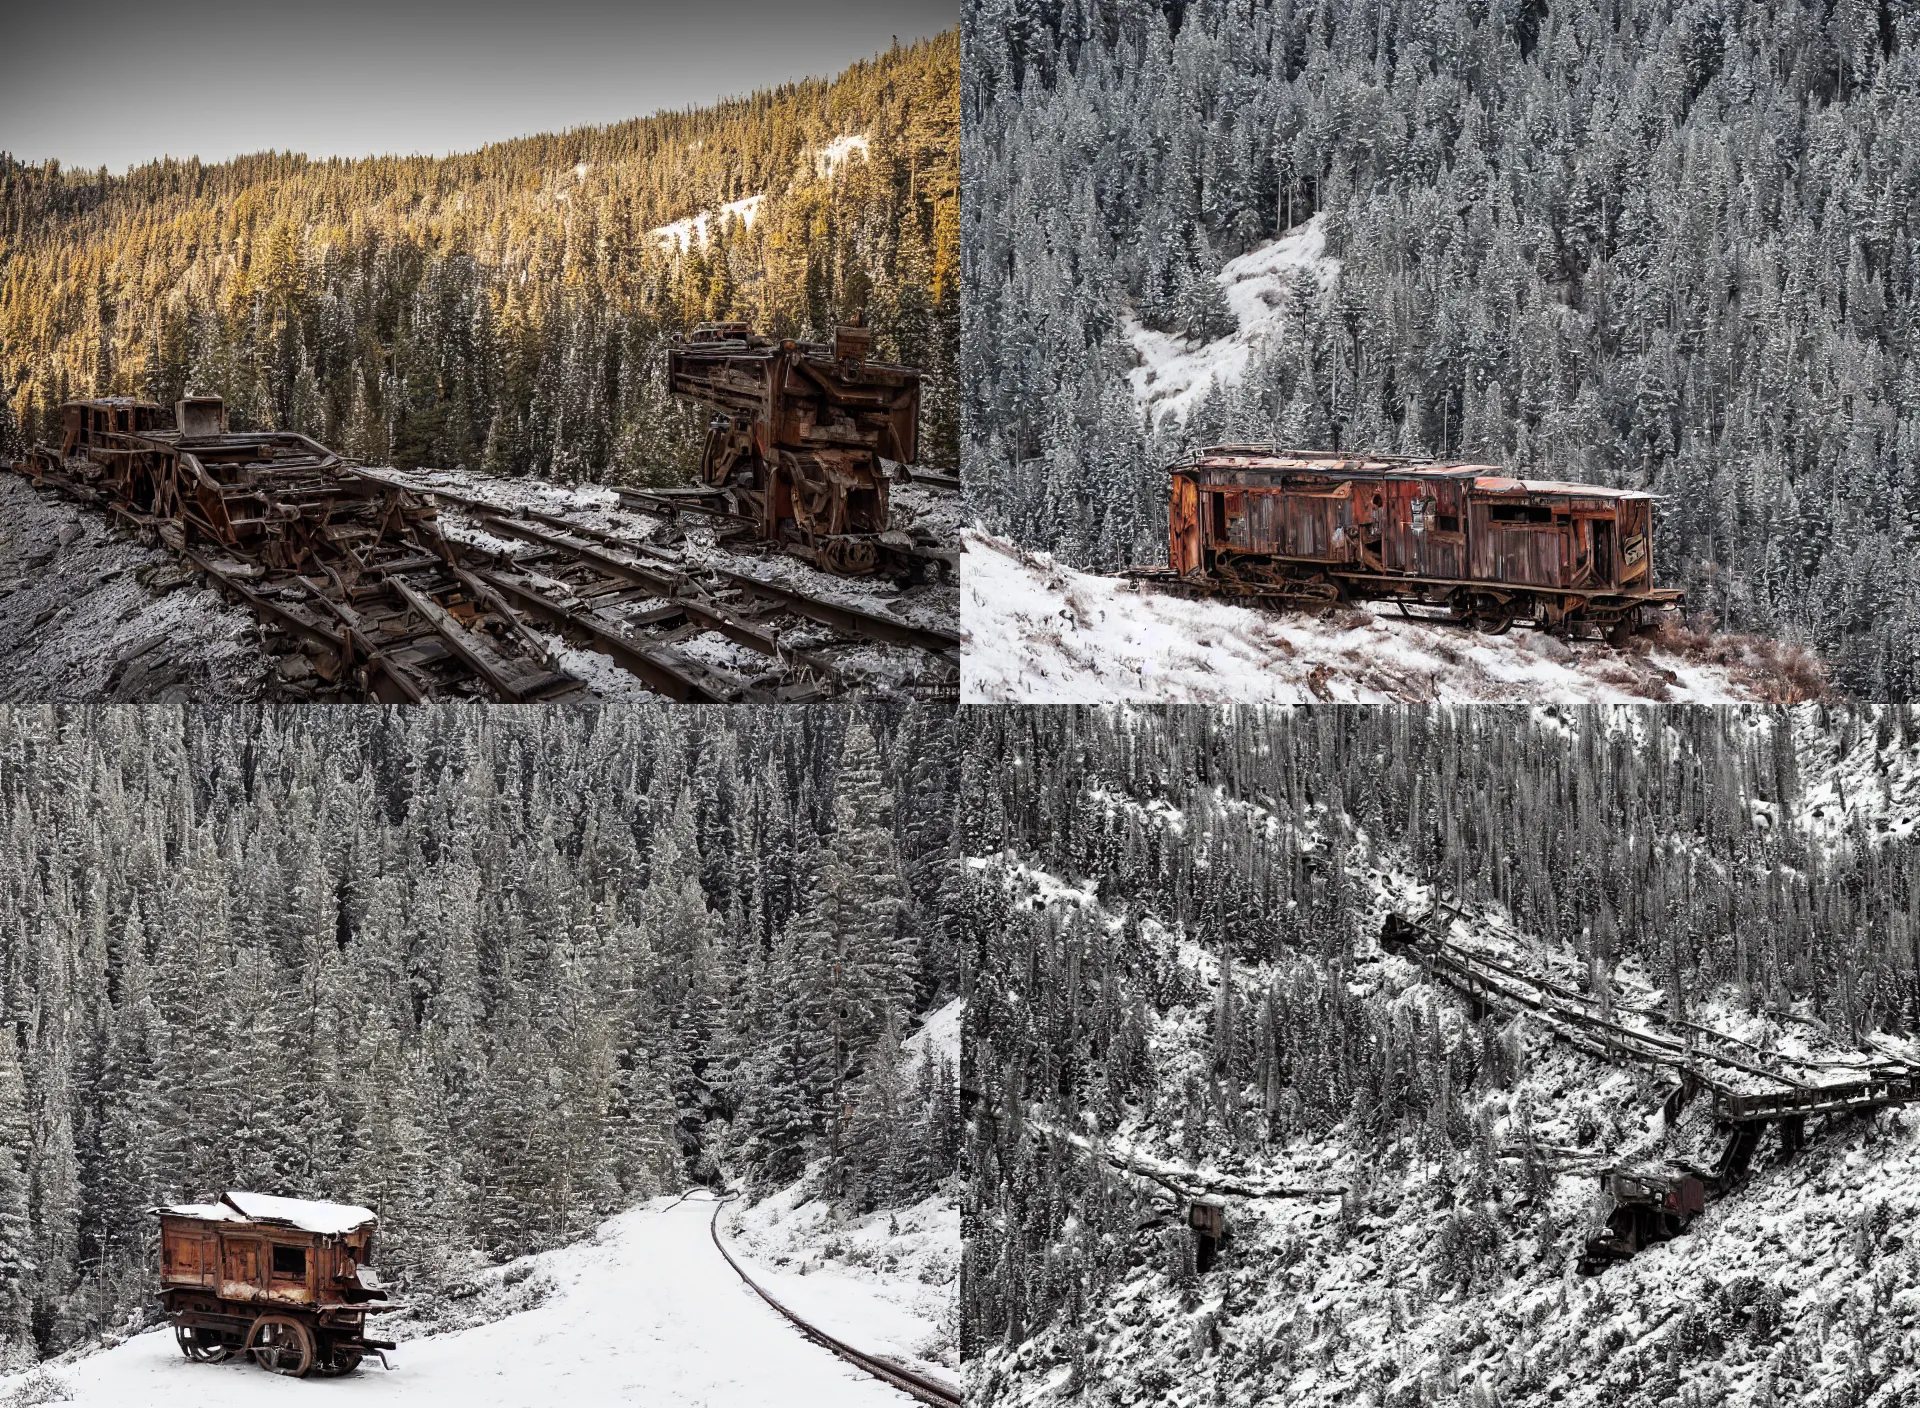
884, 1282
90, 614
1263, 287
1805, 1274
1036, 632
887, 1281
645, 1311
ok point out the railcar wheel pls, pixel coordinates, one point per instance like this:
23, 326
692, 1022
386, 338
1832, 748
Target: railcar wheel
281, 1345
339, 1363
1490, 616
198, 1350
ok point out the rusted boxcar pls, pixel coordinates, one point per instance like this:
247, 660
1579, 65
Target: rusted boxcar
284, 1280
799, 435
1491, 550
275, 496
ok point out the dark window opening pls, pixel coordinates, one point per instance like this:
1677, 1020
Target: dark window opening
1219, 515
1449, 522
1519, 513
290, 1262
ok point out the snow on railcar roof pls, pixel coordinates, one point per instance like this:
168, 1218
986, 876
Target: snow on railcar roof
1487, 478
325, 1219
322, 1219
201, 1212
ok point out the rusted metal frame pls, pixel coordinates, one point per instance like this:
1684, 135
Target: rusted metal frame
660, 503
664, 583
473, 651
600, 535
492, 598
1818, 1100
266, 606
377, 661
658, 674
847, 618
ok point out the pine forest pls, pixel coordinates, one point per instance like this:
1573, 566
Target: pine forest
1653, 244
493, 973
1178, 984
508, 309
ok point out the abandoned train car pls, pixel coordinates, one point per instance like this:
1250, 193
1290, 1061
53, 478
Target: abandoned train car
1492, 551
799, 434
286, 1281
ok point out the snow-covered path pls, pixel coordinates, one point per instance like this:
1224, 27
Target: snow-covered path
645, 1312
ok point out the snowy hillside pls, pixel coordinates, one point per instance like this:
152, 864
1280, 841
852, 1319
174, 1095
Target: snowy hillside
643, 1311
1263, 289
1037, 632
1406, 1186
697, 230
88, 614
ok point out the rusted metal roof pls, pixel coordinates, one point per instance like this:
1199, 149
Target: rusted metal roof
1487, 478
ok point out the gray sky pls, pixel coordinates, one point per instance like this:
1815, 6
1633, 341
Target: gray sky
115, 84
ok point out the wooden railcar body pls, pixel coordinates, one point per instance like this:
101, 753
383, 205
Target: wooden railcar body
286, 1280
799, 435
1491, 549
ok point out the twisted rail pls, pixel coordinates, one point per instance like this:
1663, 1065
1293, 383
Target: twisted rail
925, 1389
1574, 1019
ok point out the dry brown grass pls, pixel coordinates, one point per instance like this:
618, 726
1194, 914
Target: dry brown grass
1777, 672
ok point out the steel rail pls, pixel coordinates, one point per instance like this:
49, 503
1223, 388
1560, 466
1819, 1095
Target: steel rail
1570, 1014
906, 1380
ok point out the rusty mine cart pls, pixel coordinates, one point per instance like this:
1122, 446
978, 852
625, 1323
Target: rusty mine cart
798, 438
284, 1280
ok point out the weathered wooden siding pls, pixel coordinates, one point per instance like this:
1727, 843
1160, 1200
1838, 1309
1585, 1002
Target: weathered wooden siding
1183, 539
1426, 533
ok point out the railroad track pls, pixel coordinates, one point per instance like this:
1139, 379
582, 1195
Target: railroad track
403, 615
640, 603
1749, 1085
919, 1386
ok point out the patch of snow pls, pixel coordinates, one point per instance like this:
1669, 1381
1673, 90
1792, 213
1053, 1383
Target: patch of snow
643, 1311
829, 159
1036, 632
1262, 288
938, 1035
698, 228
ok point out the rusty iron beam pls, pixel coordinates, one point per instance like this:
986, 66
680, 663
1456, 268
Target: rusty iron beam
511, 679
659, 673
666, 583
851, 619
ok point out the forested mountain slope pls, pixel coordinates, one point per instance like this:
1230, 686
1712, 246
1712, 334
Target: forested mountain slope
494, 973
1661, 244
1172, 962
504, 309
